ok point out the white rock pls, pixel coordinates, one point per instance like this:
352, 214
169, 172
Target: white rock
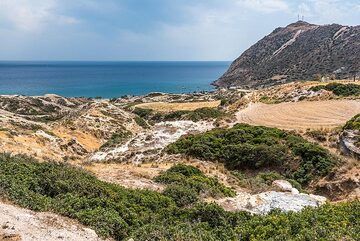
263, 203
294, 191
283, 185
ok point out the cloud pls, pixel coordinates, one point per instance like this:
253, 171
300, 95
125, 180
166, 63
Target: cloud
329, 11
266, 6
152, 30
32, 15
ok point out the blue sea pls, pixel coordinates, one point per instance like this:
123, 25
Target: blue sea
107, 79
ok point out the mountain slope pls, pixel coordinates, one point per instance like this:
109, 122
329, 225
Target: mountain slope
300, 51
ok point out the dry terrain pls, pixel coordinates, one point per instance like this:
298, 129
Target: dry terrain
22, 224
300, 115
166, 107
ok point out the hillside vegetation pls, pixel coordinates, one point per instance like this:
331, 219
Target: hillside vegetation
146, 215
205, 113
353, 124
339, 89
246, 147
186, 183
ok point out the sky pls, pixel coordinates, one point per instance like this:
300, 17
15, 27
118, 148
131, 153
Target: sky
148, 30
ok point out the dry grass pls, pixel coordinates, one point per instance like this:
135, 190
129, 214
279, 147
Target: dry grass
131, 175
167, 107
300, 115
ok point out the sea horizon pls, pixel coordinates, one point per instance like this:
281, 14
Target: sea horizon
107, 79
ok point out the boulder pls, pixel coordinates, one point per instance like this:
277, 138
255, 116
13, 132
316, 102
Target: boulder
283, 185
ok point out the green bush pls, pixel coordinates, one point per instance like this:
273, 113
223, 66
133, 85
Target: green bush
110, 209
262, 181
259, 148
205, 113
353, 124
117, 138
181, 194
146, 215
141, 122
339, 89
143, 113
187, 183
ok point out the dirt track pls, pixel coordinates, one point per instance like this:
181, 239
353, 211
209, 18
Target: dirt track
300, 115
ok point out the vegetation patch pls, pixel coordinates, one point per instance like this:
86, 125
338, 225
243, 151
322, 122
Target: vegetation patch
353, 124
339, 89
259, 148
319, 135
262, 181
205, 113
147, 215
117, 138
141, 122
186, 183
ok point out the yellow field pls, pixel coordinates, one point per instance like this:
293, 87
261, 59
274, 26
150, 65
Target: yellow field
300, 115
167, 107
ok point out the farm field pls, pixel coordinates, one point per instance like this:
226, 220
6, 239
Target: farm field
300, 115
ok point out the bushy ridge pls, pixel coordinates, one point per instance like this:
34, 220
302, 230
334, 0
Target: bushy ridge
339, 89
259, 148
186, 183
205, 113
146, 215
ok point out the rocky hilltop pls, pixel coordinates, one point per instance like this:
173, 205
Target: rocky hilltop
299, 51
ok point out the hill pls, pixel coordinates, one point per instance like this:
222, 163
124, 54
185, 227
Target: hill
299, 51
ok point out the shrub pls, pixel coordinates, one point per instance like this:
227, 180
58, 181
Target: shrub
262, 181
353, 124
339, 89
191, 182
141, 122
257, 148
182, 195
143, 113
205, 113
146, 215
117, 138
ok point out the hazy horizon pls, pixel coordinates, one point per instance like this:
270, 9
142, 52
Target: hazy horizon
158, 30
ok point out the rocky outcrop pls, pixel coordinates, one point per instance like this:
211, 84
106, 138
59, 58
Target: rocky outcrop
146, 146
349, 143
22, 224
288, 199
300, 51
